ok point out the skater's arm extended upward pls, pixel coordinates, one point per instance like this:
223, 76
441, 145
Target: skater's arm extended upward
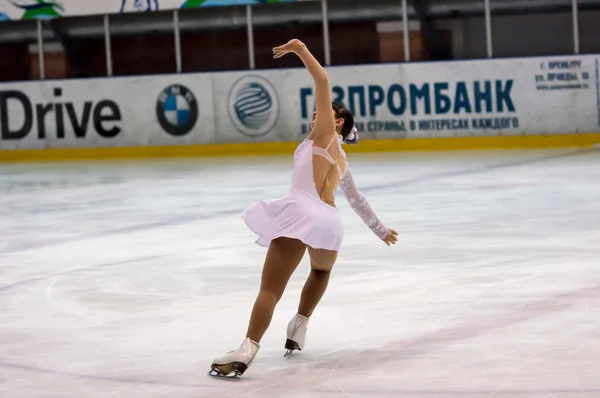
324, 123
361, 206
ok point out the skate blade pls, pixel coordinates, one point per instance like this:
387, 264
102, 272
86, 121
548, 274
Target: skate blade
290, 346
234, 371
231, 376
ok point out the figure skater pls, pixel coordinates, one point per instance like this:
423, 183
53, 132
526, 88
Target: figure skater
305, 219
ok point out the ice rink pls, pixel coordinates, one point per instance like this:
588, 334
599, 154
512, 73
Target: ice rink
125, 279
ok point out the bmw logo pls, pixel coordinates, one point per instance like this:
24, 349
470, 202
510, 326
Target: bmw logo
177, 110
253, 105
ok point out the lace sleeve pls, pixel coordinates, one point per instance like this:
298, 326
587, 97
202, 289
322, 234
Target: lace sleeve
359, 204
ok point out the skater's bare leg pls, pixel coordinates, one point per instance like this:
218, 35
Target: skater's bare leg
321, 262
282, 259
313, 291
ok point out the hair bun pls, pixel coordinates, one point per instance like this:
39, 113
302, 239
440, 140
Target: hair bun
352, 138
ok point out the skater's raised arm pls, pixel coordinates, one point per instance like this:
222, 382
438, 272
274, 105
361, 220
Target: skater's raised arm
359, 204
324, 123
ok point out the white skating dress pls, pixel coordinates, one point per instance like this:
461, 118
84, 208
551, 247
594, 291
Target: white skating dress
302, 214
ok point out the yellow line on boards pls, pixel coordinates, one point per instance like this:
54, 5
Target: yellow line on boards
282, 148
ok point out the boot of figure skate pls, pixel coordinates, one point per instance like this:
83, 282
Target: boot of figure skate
296, 334
233, 364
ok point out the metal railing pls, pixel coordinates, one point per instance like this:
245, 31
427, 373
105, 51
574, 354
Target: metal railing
403, 4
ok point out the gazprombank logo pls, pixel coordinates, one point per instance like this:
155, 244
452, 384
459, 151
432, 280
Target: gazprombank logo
253, 105
177, 110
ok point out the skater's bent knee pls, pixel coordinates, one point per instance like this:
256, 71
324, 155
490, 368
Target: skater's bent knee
321, 266
320, 274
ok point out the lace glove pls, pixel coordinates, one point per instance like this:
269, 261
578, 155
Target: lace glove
359, 204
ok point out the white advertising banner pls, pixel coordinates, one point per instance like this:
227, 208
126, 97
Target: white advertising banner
136, 111
475, 98
259, 106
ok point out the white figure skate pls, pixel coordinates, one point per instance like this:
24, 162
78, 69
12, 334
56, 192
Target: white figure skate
296, 334
236, 362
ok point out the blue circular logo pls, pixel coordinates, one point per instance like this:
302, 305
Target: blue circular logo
177, 110
253, 105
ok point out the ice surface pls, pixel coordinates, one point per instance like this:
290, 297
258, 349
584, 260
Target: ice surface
125, 279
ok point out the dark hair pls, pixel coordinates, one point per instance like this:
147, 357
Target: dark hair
342, 112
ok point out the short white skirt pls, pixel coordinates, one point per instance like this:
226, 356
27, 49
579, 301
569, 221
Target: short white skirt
297, 215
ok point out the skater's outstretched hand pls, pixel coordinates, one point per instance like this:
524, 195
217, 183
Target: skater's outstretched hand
292, 46
391, 238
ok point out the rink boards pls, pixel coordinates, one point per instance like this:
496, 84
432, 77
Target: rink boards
485, 104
